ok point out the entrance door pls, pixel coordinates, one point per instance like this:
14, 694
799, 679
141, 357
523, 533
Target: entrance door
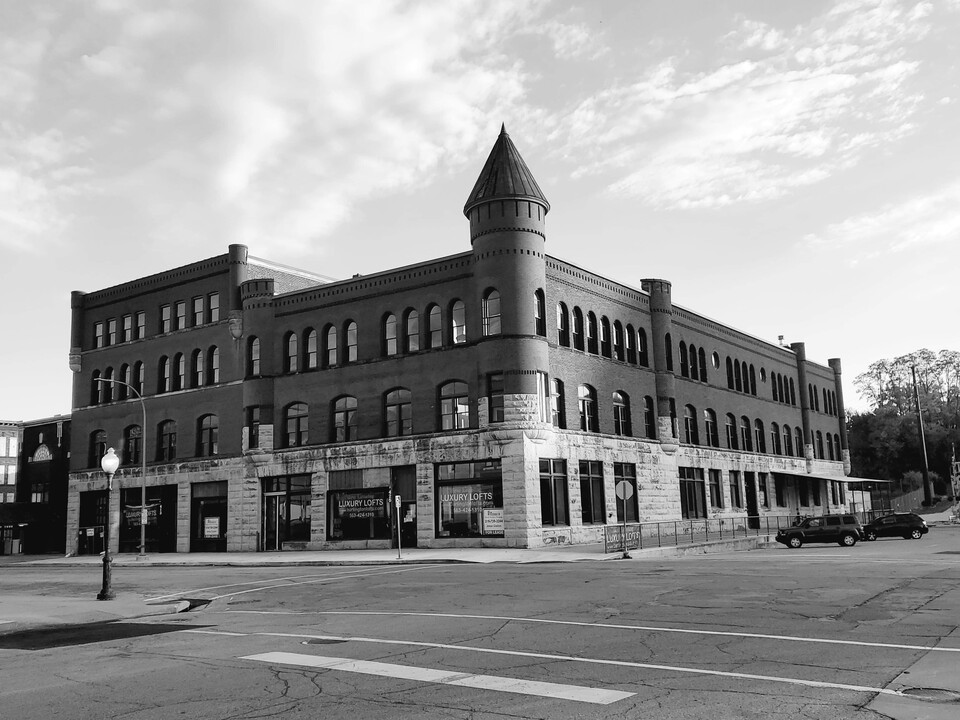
404, 483
274, 520
753, 510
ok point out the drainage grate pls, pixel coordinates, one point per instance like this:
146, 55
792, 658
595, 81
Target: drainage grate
933, 694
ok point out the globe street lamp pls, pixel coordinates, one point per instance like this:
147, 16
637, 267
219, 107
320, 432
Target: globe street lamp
143, 465
110, 462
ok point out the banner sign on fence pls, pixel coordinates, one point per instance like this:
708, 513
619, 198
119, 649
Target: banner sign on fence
613, 538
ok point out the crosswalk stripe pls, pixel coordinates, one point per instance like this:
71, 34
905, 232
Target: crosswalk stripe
445, 677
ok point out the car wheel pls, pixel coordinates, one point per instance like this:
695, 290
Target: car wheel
916, 534
848, 540
795, 541
870, 535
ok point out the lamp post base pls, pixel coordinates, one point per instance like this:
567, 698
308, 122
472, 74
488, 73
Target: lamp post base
106, 591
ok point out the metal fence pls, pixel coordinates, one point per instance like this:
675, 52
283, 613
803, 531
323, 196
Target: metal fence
690, 532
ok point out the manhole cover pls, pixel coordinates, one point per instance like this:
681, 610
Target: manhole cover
323, 641
933, 694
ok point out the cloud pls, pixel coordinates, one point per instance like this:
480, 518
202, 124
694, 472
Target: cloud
798, 105
917, 223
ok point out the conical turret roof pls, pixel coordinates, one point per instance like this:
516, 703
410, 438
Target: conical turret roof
505, 176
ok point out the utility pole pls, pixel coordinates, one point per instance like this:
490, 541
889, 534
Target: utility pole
927, 497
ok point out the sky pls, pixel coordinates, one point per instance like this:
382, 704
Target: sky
793, 168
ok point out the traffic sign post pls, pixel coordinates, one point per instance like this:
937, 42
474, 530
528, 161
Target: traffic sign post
624, 491
396, 502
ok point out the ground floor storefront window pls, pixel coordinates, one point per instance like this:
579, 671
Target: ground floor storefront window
92, 522
286, 510
358, 514
161, 528
469, 499
692, 493
208, 517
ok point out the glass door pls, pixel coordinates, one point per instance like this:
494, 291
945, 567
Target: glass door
274, 520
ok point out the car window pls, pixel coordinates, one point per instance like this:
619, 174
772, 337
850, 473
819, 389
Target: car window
833, 521
814, 522
849, 519
888, 520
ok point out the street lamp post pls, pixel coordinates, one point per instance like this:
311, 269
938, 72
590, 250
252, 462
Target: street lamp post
143, 464
109, 463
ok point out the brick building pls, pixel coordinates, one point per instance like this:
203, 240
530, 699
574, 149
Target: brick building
496, 395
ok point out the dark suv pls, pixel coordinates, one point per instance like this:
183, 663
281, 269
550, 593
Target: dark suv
842, 529
905, 525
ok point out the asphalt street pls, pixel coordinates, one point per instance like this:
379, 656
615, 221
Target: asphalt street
820, 632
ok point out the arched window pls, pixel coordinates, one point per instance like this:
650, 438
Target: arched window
434, 327
330, 349
98, 448
458, 323
558, 411
577, 329
746, 441
710, 425
108, 385
787, 441
138, 376
644, 356
694, 372
454, 406
179, 372
350, 342
295, 423
691, 434
166, 441
793, 393
621, 414
411, 336
587, 400
253, 357
291, 355
819, 445
836, 447
390, 346
311, 356
753, 381
398, 417
563, 325
649, 418
96, 388
730, 381
776, 386
631, 343
490, 309
775, 447
731, 429
124, 376
540, 312
668, 350
208, 430
684, 361
592, 344
618, 340
132, 444
702, 356
344, 419
830, 445
605, 346
737, 376
163, 375
196, 368
798, 441
759, 436
213, 365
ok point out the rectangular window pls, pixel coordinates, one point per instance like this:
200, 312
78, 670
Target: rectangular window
127, 330
543, 398
591, 492
141, 330
358, 514
692, 494
197, 311
98, 335
180, 317
762, 488
803, 492
780, 491
165, 319
815, 491
627, 473
553, 492
736, 498
112, 331
213, 307
558, 415
495, 397
469, 499
253, 426
716, 491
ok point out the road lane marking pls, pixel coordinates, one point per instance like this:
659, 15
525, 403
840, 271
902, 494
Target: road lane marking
612, 626
597, 661
286, 582
497, 683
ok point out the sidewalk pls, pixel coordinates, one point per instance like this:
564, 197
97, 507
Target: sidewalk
19, 612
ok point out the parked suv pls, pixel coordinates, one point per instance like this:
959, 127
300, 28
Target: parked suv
842, 529
905, 525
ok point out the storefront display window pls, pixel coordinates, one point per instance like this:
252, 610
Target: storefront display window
358, 514
469, 500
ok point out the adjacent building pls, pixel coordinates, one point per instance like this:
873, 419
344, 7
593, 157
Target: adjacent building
494, 397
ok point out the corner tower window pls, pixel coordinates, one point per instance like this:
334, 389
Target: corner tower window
491, 313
